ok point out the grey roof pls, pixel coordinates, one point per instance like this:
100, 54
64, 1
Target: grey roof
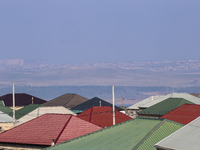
45, 110
5, 118
149, 102
67, 100
183, 139
93, 102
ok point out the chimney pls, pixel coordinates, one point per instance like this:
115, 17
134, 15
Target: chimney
53, 142
122, 103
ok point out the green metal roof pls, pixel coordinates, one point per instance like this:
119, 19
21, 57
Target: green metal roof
77, 111
164, 130
164, 106
127, 135
5, 109
2, 103
25, 110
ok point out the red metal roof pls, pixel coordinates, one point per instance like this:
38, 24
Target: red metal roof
183, 114
103, 116
43, 129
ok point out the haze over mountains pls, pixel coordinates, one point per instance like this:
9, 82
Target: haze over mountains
133, 80
161, 73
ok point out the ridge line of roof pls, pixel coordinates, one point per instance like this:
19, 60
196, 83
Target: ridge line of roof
91, 114
70, 99
62, 129
149, 134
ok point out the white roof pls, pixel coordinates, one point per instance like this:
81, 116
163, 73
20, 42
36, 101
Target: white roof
145, 101
45, 110
186, 138
156, 99
5, 117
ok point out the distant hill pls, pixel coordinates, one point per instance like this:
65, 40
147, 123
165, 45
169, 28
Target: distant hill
131, 94
162, 73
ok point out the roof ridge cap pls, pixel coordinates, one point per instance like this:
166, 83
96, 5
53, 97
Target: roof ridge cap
63, 129
70, 99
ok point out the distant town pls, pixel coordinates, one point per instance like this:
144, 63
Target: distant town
133, 80
35, 65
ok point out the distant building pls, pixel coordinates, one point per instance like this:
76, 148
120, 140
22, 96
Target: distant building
12, 62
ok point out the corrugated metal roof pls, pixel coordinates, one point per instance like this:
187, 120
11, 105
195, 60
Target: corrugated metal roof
183, 114
127, 135
5, 117
44, 110
163, 131
42, 130
145, 101
93, 102
25, 110
164, 106
186, 138
103, 116
156, 99
185, 96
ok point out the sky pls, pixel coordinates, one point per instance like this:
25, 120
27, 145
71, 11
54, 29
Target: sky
96, 31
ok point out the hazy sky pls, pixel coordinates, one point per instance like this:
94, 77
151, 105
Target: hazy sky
77, 31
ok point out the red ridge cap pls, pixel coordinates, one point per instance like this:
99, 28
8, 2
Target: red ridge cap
91, 115
63, 129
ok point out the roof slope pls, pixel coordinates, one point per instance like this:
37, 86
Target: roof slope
42, 130
183, 114
103, 116
5, 117
21, 99
145, 101
127, 135
93, 102
66, 100
5, 110
44, 110
184, 138
164, 106
150, 102
25, 110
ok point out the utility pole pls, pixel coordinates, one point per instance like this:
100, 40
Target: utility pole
13, 104
122, 103
113, 96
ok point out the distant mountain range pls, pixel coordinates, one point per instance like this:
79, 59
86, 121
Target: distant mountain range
133, 80
162, 73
